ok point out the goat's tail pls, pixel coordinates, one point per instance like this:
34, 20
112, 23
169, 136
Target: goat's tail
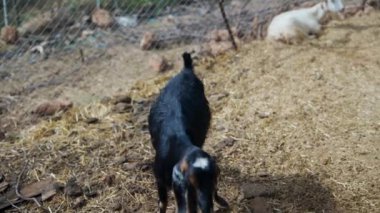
187, 60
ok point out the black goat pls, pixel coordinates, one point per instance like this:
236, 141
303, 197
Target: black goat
178, 125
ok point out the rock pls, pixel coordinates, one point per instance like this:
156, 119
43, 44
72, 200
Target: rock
130, 166
170, 19
214, 36
250, 190
121, 107
3, 186
263, 115
145, 167
51, 190
89, 193
102, 18
228, 142
4, 75
202, 50
263, 174
116, 206
147, 41
218, 48
159, 63
224, 35
92, 120
106, 100
79, 203
260, 205
109, 180
368, 10
120, 159
127, 21
374, 3
218, 96
121, 99
2, 135
52, 107
72, 189
9, 34
86, 33
351, 10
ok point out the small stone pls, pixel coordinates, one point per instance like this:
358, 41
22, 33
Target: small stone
263, 174
90, 193
214, 36
52, 107
116, 206
218, 48
228, 142
92, 120
147, 41
79, 203
2, 135
72, 189
130, 166
9, 34
250, 190
106, 100
4, 75
121, 159
3, 186
87, 33
109, 180
159, 63
351, 10
122, 107
145, 167
121, 99
327, 161
260, 205
263, 115
102, 18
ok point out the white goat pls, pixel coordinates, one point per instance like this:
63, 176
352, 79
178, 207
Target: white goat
295, 25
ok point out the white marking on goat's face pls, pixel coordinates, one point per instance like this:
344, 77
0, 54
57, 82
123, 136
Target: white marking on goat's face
335, 5
201, 163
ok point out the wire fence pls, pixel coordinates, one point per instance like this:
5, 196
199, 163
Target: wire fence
46, 27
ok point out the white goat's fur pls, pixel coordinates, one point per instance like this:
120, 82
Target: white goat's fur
295, 25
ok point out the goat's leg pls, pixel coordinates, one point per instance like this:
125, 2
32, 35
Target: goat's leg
180, 196
162, 195
192, 199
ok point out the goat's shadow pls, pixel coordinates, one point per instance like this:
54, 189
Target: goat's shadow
283, 193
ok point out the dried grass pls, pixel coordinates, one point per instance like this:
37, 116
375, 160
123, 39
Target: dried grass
307, 116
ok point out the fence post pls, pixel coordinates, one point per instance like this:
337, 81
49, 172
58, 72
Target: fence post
227, 23
5, 12
97, 4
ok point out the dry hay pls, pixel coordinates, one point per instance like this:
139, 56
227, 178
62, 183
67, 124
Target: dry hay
302, 121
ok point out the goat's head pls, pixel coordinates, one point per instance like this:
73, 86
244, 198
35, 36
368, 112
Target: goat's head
334, 5
195, 183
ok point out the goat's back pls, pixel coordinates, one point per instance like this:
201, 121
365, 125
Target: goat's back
181, 108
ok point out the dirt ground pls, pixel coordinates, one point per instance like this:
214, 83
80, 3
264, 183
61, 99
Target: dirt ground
294, 129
